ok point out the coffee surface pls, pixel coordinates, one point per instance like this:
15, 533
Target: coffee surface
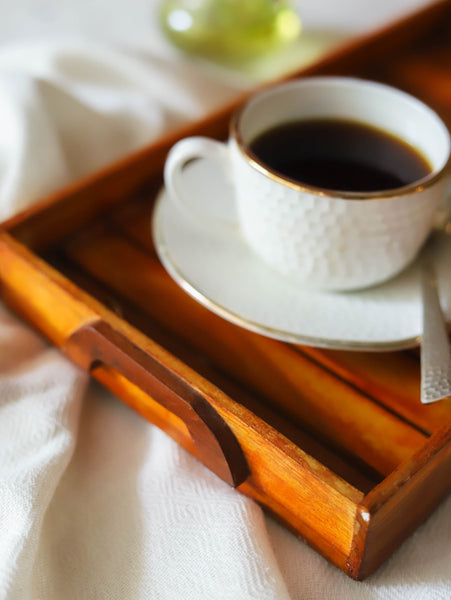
340, 155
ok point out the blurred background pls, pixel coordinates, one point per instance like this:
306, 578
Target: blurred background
135, 24
134, 28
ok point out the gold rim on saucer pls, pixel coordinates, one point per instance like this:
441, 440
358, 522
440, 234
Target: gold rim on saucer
279, 334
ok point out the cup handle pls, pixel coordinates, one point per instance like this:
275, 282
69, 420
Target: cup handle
179, 156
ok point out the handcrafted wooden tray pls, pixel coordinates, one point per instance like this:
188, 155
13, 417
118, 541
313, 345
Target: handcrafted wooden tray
335, 444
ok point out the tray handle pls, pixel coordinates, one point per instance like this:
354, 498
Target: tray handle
98, 344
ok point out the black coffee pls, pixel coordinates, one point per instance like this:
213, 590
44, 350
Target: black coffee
340, 155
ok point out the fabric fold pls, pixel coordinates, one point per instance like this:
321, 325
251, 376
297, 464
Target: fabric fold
40, 400
64, 115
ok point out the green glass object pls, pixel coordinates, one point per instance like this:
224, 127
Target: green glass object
229, 30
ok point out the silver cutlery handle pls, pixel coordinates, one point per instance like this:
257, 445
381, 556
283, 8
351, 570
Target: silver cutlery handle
435, 346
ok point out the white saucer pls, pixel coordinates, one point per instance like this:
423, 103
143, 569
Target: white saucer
219, 270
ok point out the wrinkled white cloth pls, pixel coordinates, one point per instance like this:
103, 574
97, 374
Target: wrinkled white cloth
69, 108
63, 115
95, 503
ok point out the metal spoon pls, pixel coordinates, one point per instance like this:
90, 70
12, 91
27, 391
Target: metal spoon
435, 346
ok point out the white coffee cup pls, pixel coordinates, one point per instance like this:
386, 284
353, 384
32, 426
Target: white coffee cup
318, 237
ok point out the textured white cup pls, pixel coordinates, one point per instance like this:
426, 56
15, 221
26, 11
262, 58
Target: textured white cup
321, 238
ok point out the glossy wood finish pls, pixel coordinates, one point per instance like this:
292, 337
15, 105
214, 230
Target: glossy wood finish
279, 372
217, 447
335, 444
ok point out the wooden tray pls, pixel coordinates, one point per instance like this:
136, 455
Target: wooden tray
335, 444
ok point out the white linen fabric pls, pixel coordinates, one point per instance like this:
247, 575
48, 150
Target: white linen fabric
69, 108
96, 503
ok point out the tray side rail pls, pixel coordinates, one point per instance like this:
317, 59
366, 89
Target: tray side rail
217, 447
65, 315
397, 506
305, 495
